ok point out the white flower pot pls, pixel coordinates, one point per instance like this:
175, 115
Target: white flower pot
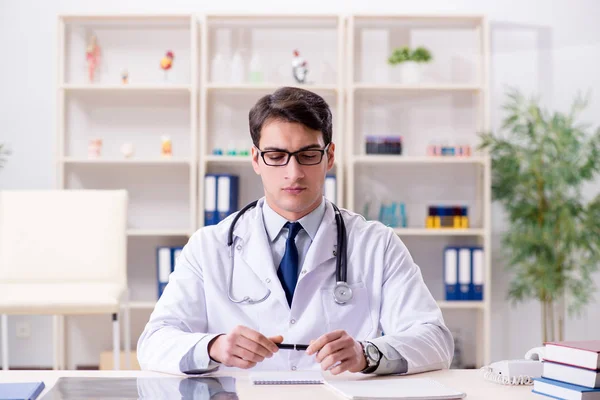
411, 72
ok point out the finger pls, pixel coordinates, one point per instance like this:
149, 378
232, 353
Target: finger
330, 348
339, 356
258, 338
253, 348
342, 367
234, 361
276, 339
246, 354
323, 340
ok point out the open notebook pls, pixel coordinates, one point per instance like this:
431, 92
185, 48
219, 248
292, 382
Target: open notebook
396, 389
286, 377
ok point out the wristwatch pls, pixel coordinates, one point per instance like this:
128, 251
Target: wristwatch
372, 355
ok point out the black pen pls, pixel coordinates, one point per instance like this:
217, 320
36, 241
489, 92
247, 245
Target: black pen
286, 346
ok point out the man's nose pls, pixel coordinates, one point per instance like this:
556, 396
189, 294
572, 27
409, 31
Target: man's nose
294, 169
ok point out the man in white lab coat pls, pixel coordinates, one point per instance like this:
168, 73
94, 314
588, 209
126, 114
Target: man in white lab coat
233, 305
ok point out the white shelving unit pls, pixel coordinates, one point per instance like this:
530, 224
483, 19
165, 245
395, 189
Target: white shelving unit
202, 108
162, 191
449, 103
225, 102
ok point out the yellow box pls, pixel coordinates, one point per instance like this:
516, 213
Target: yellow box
464, 222
106, 361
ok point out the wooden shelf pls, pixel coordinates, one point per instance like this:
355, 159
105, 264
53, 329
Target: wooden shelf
180, 162
148, 88
158, 232
461, 305
399, 159
266, 86
439, 232
413, 88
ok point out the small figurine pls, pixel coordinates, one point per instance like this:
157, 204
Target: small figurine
95, 148
299, 67
166, 147
92, 55
124, 76
167, 62
127, 150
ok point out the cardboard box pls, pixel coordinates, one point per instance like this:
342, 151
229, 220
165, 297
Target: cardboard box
106, 361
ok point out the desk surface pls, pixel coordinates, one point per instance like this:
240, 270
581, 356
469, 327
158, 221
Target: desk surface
469, 381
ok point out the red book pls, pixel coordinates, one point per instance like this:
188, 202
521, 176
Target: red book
583, 354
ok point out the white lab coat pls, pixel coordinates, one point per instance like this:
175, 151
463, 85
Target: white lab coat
389, 296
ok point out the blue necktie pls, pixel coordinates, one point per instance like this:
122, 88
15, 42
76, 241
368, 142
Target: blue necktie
288, 268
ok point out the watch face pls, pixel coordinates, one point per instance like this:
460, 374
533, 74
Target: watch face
373, 352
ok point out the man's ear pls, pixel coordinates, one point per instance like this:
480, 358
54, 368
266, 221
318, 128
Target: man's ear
330, 156
255, 155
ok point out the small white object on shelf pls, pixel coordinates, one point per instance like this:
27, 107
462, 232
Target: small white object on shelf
256, 69
218, 68
127, 150
237, 68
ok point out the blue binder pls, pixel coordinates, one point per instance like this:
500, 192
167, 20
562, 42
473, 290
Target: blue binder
451, 273
227, 195
163, 267
477, 274
210, 200
21, 391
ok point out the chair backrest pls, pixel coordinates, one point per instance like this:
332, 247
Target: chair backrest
63, 236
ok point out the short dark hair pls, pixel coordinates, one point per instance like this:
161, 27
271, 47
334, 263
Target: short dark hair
291, 104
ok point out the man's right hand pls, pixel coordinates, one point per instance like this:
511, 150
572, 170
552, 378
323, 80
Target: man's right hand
242, 347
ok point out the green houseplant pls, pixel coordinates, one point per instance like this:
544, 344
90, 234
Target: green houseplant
539, 167
408, 62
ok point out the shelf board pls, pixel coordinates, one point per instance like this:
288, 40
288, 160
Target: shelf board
228, 159
108, 161
439, 232
466, 304
399, 159
158, 232
417, 88
152, 88
141, 305
266, 86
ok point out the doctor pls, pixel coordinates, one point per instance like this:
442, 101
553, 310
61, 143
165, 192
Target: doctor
232, 304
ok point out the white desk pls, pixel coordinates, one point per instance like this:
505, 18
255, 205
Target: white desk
468, 381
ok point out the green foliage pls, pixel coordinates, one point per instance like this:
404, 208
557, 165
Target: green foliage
539, 168
403, 54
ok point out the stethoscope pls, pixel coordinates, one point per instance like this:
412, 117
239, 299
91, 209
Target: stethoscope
342, 293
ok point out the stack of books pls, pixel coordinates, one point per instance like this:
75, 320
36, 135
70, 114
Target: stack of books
571, 370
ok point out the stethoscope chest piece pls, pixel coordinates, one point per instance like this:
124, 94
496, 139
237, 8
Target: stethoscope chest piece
342, 293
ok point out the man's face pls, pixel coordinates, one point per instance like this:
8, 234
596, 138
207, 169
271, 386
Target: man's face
293, 190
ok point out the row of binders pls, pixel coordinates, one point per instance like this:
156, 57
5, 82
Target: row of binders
221, 196
166, 257
463, 273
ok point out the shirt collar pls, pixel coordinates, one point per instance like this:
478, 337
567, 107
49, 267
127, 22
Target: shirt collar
275, 222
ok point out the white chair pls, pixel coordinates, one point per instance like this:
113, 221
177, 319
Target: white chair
63, 252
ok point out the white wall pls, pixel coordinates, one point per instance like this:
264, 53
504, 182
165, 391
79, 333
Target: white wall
548, 47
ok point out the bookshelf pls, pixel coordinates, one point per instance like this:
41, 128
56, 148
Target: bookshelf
151, 104
226, 98
202, 110
448, 103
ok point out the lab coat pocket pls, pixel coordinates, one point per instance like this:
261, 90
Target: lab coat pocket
354, 317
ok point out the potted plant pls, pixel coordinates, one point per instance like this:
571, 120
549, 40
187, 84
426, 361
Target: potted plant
408, 62
539, 167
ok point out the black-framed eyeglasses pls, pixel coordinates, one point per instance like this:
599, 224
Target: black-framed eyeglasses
280, 158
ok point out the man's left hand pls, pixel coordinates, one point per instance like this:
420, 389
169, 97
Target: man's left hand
339, 348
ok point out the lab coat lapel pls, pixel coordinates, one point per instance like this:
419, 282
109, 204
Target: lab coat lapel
324, 245
256, 251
